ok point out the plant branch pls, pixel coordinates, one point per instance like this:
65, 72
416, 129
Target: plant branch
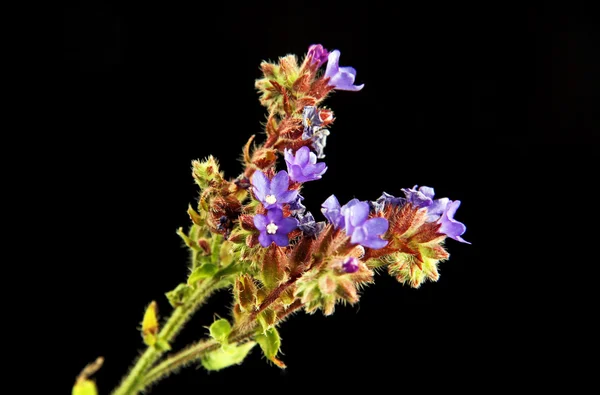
132, 383
190, 354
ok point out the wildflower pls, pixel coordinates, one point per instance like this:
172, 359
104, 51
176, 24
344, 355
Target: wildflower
272, 193
317, 54
451, 227
274, 227
386, 199
308, 225
296, 207
362, 230
311, 121
354, 217
441, 210
422, 197
303, 166
331, 209
341, 78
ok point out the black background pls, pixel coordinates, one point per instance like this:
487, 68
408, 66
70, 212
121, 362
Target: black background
495, 107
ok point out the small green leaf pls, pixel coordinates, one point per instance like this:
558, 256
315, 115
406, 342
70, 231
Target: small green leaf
267, 319
226, 356
84, 387
205, 271
269, 342
162, 345
188, 242
220, 330
179, 295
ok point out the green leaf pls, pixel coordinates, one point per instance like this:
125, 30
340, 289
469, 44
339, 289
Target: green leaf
162, 345
84, 387
227, 356
179, 295
269, 342
205, 271
220, 330
188, 242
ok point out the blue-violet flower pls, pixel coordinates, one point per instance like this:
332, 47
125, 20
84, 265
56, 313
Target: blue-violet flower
296, 207
272, 193
274, 227
311, 120
386, 199
331, 209
354, 216
451, 227
308, 225
441, 210
303, 166
341, 78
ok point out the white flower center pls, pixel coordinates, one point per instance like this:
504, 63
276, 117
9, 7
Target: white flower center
271, 199
272, 228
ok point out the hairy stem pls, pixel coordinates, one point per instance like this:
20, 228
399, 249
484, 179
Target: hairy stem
190, 354
133, 383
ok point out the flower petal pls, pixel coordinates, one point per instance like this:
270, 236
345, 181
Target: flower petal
451, 227
358, 236
438, 207
260, 221
261, 185
374, 243
274, 215
331, 203
427, 191
280, 239
288, 156
359, 213
280, 183
264, 239
302, 156
287, 197
332, 63
376, 226
286, 225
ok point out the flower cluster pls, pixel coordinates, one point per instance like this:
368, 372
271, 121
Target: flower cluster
255, 235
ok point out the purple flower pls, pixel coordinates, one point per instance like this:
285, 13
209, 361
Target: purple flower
362, 230
423, 197
317, 54
296, 207
272, 193
309, 226
354, 216
441, 210
341, 78
311, 121
274, 227
350, 265
451, 227
386, 199
303, 166
331, 209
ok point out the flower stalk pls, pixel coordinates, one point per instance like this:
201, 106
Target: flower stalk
254, 234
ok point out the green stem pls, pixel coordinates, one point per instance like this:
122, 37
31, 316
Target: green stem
197, 350
190, 354
133, 383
